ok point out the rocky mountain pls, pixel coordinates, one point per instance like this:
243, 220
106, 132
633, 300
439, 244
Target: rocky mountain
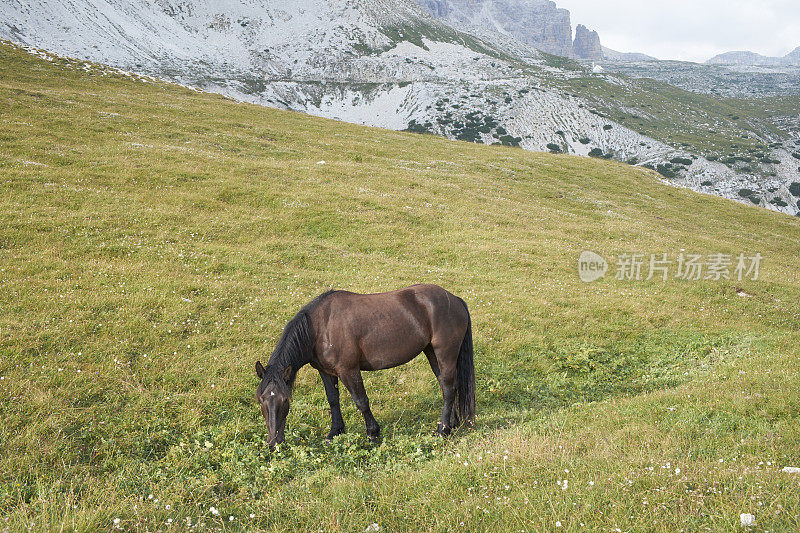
587, 44
390, 63
537, 23
753, 59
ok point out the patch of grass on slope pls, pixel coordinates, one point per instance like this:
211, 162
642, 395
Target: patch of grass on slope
710, 125
155, 240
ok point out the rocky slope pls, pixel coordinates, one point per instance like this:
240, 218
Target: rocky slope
388, 63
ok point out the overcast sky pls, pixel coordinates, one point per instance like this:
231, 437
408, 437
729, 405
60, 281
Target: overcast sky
692, 30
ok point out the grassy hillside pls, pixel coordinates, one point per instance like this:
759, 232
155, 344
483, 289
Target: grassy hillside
713, 126
155, 240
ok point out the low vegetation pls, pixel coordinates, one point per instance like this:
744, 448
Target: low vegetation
155, 240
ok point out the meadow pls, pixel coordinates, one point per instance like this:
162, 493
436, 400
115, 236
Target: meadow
154, 241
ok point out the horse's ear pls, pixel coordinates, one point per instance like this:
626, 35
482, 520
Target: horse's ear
260, 369
287, 374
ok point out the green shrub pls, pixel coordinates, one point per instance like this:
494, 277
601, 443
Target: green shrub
415, 127
681, 161
554, 148
746, 193
707, 183
666, 171
794, 189
584, 140
510, 140
596, 152
607, 127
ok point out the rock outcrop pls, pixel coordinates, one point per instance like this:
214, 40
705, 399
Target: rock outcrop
587, 44
538, 23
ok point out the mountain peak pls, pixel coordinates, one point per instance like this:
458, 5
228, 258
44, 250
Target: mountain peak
587, 44
537, 23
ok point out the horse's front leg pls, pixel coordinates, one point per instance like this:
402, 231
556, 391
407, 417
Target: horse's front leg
332, 391
353, 382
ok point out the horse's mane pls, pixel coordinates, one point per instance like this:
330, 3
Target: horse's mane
295, 346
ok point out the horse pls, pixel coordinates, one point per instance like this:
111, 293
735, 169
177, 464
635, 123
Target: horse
340, 333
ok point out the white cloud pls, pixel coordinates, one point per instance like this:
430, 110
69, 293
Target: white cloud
692, 30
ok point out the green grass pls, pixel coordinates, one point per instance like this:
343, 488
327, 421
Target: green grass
155, 240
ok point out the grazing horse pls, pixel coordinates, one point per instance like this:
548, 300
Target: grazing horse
341, 333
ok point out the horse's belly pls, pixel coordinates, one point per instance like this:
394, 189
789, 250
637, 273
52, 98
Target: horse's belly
388, 358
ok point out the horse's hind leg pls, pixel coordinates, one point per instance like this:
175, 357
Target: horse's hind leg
332, 392
354, 383
432, 360
445, 370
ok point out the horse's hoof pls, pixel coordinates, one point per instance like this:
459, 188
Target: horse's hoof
334, 433
442, 430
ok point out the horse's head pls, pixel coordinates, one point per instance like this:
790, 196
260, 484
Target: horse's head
274, 395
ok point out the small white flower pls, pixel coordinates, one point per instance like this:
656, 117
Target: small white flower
747, 520
252, 515
372, 527
230, 518
116, 521
214, 510
558, 523
677, 471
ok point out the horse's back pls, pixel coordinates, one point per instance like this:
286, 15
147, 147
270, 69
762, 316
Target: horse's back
390, 328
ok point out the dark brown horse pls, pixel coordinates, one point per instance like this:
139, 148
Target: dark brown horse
341, 333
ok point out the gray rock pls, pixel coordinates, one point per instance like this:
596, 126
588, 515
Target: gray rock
587, 44
538, 23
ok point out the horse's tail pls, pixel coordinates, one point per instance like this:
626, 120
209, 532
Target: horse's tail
465, 375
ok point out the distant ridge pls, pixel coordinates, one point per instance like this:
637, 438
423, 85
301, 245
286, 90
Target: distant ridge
613, 55
752, 58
